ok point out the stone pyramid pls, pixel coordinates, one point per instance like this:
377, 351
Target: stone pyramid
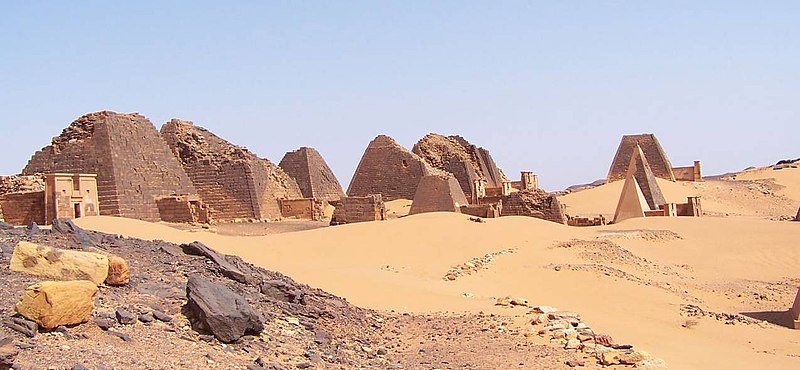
438, 193
653, 152
134, 166
794, 312
797, 218
231, 180
388, 169
640, 169
631, 201
313, 176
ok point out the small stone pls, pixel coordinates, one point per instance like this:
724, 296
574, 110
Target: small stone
123, 336
504, 301
118, 272
104, 323
519, 301
160, 316
79, 367
631, 358
573, 344
544, 309
303, 365
146, 318
20, 325
124, 317
610, 358
574, 363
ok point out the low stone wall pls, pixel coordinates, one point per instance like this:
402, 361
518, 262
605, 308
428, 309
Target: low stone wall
183, 208
304, 208
534, 203
21, 209
358, 209
491, 210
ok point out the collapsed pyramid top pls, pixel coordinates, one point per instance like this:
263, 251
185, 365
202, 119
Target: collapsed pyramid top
653, 152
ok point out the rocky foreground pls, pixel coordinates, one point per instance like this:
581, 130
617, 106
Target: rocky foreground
186, 306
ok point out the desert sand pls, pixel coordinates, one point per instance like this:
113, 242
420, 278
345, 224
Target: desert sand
630, 280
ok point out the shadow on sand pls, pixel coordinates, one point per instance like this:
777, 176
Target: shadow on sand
780, 318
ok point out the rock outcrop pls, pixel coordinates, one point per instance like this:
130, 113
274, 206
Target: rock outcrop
134, 166
388, 169
215, 309
54, 303
313, 176
232, 181
464, 160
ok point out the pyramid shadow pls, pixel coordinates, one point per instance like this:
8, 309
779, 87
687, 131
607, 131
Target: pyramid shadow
780, 318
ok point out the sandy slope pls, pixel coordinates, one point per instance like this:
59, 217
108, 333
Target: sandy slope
632, 288
764, 193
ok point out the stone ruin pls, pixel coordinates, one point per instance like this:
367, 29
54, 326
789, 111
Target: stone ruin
641, 195
388, 169
134, 166
313, 176
660, 165
534, 203
62, 196
465, 161
232, 181
358, 209
438, 193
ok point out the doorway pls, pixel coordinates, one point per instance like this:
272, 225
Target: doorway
77, 208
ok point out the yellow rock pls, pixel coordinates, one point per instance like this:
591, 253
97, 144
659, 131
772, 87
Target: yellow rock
611, 358
118, 273
59, 264
54, 303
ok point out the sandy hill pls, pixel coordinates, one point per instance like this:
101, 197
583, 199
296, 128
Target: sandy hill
693, 291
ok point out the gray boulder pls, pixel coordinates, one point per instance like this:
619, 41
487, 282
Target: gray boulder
215, 309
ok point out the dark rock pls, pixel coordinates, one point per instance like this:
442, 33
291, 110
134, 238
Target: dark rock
274, 366
621, 346
207, 338
123, 336
146, 318
66, 226
574, 363
8, 353
215, 309
29, 328
104, 323
304, 365
228, 269
279, 290
125, 318
79, 367
260, 362
33, 229
5, 226
321, 337
160, 316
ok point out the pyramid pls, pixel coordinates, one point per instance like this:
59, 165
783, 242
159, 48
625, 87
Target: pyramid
640, 169
632, 202
654, 153
231, 180
797, 218
438, 193
313, 176
388, 169
464, 160
134, 166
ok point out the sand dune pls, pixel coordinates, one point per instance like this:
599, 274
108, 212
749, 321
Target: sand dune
632, 286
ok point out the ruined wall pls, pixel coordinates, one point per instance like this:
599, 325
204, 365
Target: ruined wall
534, 203
656, 157
438, 193
304, 209
690, 173
491, 210
464, 160
313, 176
231, 180
388, 169
21, 209
358, 209
183, 208
134, 166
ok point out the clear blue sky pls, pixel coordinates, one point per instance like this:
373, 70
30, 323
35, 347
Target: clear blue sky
545, 86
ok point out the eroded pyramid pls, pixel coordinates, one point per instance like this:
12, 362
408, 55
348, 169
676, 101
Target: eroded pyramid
438, 193
134, 166
388, 169
231, 180
313, 176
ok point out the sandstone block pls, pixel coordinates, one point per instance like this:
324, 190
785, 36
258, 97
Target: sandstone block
118, 271
59, 264
54, 303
